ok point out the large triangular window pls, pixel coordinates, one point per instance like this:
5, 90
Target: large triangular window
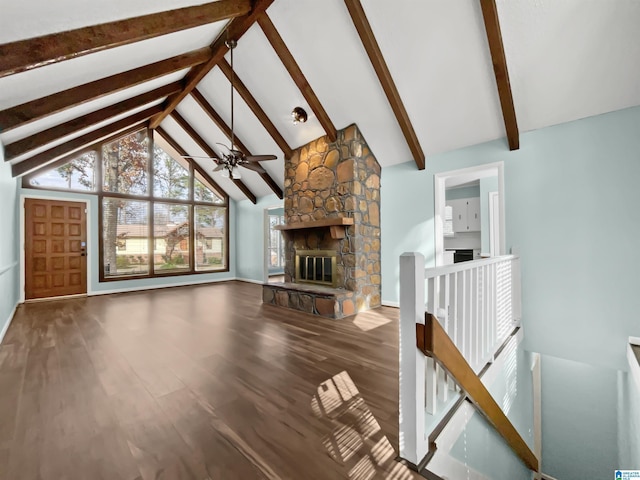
160, 214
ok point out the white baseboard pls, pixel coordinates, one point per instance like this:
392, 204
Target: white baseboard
389, 303
8, 323
249, 280
156, 287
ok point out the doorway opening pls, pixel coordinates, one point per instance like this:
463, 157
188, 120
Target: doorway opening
469, 213
274, 245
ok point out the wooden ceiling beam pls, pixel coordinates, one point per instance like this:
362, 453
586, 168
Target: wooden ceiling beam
20, 147
234, 30
298, 77
372, 48
28, 112
496, 47
189, 130
48, 156
222, 125
257, 110
181, 151
36, 52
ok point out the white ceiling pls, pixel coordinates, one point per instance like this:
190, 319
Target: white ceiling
567, 59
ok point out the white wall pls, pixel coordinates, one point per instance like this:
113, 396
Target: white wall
572, 209
9, 268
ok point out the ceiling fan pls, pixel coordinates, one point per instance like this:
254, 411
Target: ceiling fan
230, 158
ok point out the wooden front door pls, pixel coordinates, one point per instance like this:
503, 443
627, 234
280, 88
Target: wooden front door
55, 248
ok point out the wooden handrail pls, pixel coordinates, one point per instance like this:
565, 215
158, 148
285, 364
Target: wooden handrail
434, 342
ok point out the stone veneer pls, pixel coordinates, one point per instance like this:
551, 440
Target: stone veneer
329, 180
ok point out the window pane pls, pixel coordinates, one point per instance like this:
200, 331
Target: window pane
171, 237
78, 174
170, 176
125, 164
203, 192
125, 230
210, 238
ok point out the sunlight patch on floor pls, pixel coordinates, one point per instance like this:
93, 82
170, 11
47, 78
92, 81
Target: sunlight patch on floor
355, 440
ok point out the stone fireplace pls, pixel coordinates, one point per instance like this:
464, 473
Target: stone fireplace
332, 229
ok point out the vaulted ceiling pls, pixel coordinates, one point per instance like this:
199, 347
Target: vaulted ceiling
417, 76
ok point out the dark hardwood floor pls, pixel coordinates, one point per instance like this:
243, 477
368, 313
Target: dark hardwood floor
197, 383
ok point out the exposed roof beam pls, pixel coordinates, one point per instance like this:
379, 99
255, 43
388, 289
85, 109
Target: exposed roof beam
36, 109
234, 29
370, 44
46, 157
40, 139
256, 109
209, 151
176, 146
496, 47
36, 52
298, 77
222, 125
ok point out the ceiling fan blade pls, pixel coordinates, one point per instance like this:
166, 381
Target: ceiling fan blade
219, 167
259, 158
253, 166
195, 156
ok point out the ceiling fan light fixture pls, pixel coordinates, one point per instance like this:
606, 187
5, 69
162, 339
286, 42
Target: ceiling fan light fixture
299, 115
235, 173
224, 173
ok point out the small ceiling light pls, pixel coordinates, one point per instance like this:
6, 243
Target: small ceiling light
299, 115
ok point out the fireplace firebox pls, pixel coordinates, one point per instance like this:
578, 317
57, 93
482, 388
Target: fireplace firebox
316, 266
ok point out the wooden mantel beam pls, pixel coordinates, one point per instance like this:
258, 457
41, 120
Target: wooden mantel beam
222, 125
36, 52
372, 48
25, 113
202, 143
297, 76
234, 30
496, 47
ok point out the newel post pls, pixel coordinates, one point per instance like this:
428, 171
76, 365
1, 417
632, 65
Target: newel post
413, 444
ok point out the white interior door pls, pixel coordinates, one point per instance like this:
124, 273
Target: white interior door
494, 223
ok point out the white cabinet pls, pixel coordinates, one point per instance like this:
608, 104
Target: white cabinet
473, 214
466, 214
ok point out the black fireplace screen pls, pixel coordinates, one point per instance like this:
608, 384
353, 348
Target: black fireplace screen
316, 266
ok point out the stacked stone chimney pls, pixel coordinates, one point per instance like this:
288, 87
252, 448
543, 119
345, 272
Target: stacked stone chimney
331, 180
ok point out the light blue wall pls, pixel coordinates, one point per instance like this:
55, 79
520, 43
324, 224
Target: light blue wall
572, 210
487, 185
628, 422
462, 192
93, 222
251, 237
9, 258
579, 420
